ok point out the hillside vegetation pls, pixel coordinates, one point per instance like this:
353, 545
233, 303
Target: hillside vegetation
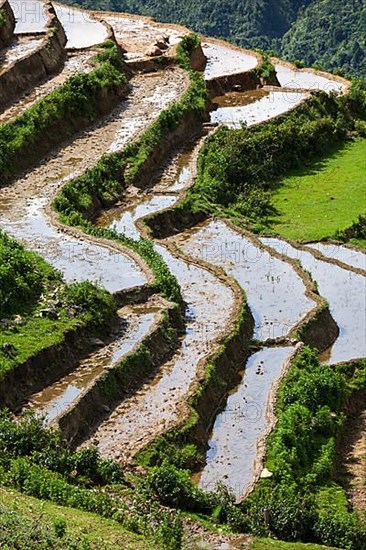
331, 34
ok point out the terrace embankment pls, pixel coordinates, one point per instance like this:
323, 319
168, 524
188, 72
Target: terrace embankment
48, 365
351, 451
41, 61
80, 401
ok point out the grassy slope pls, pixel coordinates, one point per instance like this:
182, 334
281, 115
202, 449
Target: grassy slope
29, 284
270, 544
101, 534
33, 335
92, 530
326, 195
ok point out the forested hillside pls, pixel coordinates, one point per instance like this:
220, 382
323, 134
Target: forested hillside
329, 33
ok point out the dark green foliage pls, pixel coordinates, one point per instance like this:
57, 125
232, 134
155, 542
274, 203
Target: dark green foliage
174, 487
301, 456
35, 461
23, 276
330, 33
2, 18
86, 298
356, 231
266, 69
28, 438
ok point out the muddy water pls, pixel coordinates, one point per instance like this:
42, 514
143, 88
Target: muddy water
19, 49
81, 29
76, 63
225, 60
237, 430
23, 205
349, 256
306, 80
137, 34
126, 223
155, 408
270, 106
177, 175
275, 293
78, 259
54, 400
30, 16
346, 293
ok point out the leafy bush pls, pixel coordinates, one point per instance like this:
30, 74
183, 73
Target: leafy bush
90, 300
23, 276
174, 487
35, 461
356, 231
301, 456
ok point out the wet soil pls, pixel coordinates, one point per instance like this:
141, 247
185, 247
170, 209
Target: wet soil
75, 63
23, 207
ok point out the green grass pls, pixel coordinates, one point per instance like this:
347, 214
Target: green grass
325, 196
360, 243
87, 530
29, 338
271, 544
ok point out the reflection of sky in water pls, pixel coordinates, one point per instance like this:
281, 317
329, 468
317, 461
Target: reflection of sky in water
349, 256
275, 292
81, 29
346, 293
233, 442
224, 60
291, 78
77, 260
276, 103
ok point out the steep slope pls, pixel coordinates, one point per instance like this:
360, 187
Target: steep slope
330, 33
252, 22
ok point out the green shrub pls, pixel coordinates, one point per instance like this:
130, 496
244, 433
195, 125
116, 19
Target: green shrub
301, 456
23, 276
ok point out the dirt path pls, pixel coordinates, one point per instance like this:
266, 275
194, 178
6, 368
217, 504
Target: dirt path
354, 460
197, 537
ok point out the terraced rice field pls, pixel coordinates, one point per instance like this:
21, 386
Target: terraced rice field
214, 263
